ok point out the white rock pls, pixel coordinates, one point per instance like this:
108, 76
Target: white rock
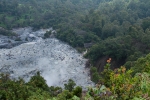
51, 57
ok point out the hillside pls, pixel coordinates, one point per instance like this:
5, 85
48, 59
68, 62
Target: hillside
115, 34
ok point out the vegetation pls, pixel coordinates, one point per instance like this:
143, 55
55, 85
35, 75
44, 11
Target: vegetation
124, 30
6, 32
120, 32
119, 29
142, 65
118, 84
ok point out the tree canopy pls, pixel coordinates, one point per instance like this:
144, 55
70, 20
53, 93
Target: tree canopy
117, 29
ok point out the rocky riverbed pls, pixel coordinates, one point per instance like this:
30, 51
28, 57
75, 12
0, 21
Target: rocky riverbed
56, 61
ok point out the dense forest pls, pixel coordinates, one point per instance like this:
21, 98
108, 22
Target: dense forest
114, 32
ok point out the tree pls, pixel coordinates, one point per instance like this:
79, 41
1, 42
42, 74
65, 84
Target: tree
146, 23
142, 65
70, 85
77, 91
38, 81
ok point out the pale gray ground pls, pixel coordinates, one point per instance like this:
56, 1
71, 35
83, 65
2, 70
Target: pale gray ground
56, 60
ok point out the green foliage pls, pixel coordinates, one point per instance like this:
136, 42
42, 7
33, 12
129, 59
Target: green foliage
54, 91
39, 94
146, 23
77, 91
38, 81
39, 14
100, 92
117, 31
121, 32
13, 90
125, 86
95, 75
118, 84
93, 69
70, 85
117, 48
142, 65
105, 75
6, 32
47, 34
65, 95
144, 79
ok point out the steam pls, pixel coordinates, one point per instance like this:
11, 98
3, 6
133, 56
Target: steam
56, 61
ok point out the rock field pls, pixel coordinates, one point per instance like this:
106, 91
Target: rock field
56, 61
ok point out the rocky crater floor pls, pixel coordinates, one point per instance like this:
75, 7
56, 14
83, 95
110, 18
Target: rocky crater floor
56, 61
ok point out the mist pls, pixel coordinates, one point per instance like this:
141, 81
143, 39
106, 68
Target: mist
56, 61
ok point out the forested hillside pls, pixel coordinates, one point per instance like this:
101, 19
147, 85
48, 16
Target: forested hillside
41, 14
114, 32
124, 30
